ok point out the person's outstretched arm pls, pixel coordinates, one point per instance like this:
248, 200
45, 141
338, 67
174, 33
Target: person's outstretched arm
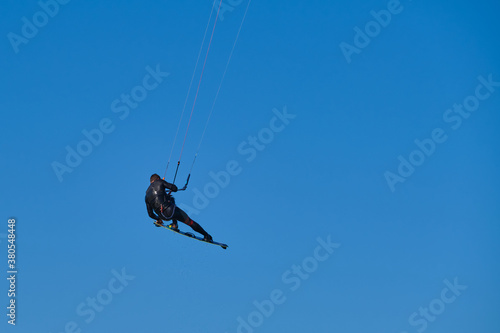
151, 213
171, 187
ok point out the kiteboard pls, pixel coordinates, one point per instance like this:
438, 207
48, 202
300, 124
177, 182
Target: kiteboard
190, 235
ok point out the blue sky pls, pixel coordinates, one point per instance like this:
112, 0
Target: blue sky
363, 188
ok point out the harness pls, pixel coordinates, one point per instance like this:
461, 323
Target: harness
171, 202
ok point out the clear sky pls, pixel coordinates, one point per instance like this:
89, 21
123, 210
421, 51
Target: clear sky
351, 165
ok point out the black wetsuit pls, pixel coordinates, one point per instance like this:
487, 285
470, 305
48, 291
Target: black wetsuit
161, 206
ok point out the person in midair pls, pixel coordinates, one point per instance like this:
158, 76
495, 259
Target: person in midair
161, 206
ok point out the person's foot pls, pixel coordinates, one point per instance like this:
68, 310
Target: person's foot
173, 226
207, 238
158, 223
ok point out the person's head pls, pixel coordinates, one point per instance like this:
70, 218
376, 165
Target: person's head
154, 177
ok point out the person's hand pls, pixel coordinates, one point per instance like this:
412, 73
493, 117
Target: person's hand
174, 188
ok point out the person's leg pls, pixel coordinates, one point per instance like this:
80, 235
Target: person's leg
180, 215
174, 225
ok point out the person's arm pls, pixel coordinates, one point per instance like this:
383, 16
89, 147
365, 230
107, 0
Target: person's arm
171, 187
151, 213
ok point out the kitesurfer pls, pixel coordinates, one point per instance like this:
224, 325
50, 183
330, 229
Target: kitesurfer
161, 206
